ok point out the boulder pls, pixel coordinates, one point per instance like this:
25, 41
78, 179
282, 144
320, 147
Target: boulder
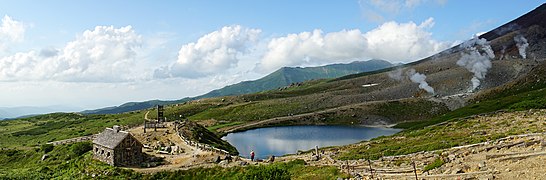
314, 158
217, 159
45, 156
223, 163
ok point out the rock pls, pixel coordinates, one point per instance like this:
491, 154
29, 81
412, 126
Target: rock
465, 168
507, 170
451, 157
314, 158
456, 171
228, 158
481, 165
223, 162
243, 163
45, 156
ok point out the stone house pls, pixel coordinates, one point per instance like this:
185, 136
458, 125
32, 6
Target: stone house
117, 148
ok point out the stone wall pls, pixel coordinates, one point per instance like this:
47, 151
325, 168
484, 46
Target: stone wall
103, 154
128, 152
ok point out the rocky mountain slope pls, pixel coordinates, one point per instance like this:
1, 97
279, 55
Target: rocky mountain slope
421, 90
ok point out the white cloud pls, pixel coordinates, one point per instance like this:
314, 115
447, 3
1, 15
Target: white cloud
396, 42
403, 42
381, 10
211, 54
105, 54
10, 31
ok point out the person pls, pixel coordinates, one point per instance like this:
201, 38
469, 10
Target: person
252, 155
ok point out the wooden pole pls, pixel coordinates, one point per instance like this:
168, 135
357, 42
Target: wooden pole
371, 170
414, 170
347, 165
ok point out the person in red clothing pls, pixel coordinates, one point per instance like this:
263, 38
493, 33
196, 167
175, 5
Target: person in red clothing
252, 155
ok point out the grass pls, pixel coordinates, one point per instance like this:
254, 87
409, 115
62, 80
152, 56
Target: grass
34, 131
437, 163
71, 162
218, 126
454, 132
519, 101
196, 132
290, 170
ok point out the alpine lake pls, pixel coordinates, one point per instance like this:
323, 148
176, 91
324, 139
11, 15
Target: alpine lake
282, 140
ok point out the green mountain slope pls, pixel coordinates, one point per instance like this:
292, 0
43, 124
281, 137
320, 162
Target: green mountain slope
288, 75
280, 78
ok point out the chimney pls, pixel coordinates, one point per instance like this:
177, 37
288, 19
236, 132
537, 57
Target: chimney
116, 128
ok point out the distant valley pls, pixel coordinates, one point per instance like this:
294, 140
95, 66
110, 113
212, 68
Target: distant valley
23, 111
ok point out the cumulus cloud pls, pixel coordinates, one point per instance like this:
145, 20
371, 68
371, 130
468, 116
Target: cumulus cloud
10, 31
397, 42
211, 54
104, 54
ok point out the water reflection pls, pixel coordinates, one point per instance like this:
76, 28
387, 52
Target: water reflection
279, 141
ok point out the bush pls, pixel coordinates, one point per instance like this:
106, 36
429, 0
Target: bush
266, 172
46, 148
529, 104
437, 163
80, 148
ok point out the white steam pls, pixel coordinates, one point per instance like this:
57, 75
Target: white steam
419, 78
476, 62
396, 75
522, 45
413, 76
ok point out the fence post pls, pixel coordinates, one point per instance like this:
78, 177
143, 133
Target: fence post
414, 170
371, 170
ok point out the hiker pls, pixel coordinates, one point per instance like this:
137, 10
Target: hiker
252, 155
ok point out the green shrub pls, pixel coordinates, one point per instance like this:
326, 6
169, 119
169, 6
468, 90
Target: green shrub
266, 172
437, 163
81, 147
46, 148
529, 104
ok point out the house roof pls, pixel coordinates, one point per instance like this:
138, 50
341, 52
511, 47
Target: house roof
110, 138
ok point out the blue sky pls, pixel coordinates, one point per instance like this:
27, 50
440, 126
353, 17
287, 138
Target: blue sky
97, 53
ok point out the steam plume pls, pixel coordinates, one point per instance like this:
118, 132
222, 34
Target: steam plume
419, 78
522, 45
476, 62
397, 74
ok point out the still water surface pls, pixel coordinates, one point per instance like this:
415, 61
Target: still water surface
283, 140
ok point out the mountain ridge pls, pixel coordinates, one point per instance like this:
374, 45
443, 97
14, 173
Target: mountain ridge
280, 78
